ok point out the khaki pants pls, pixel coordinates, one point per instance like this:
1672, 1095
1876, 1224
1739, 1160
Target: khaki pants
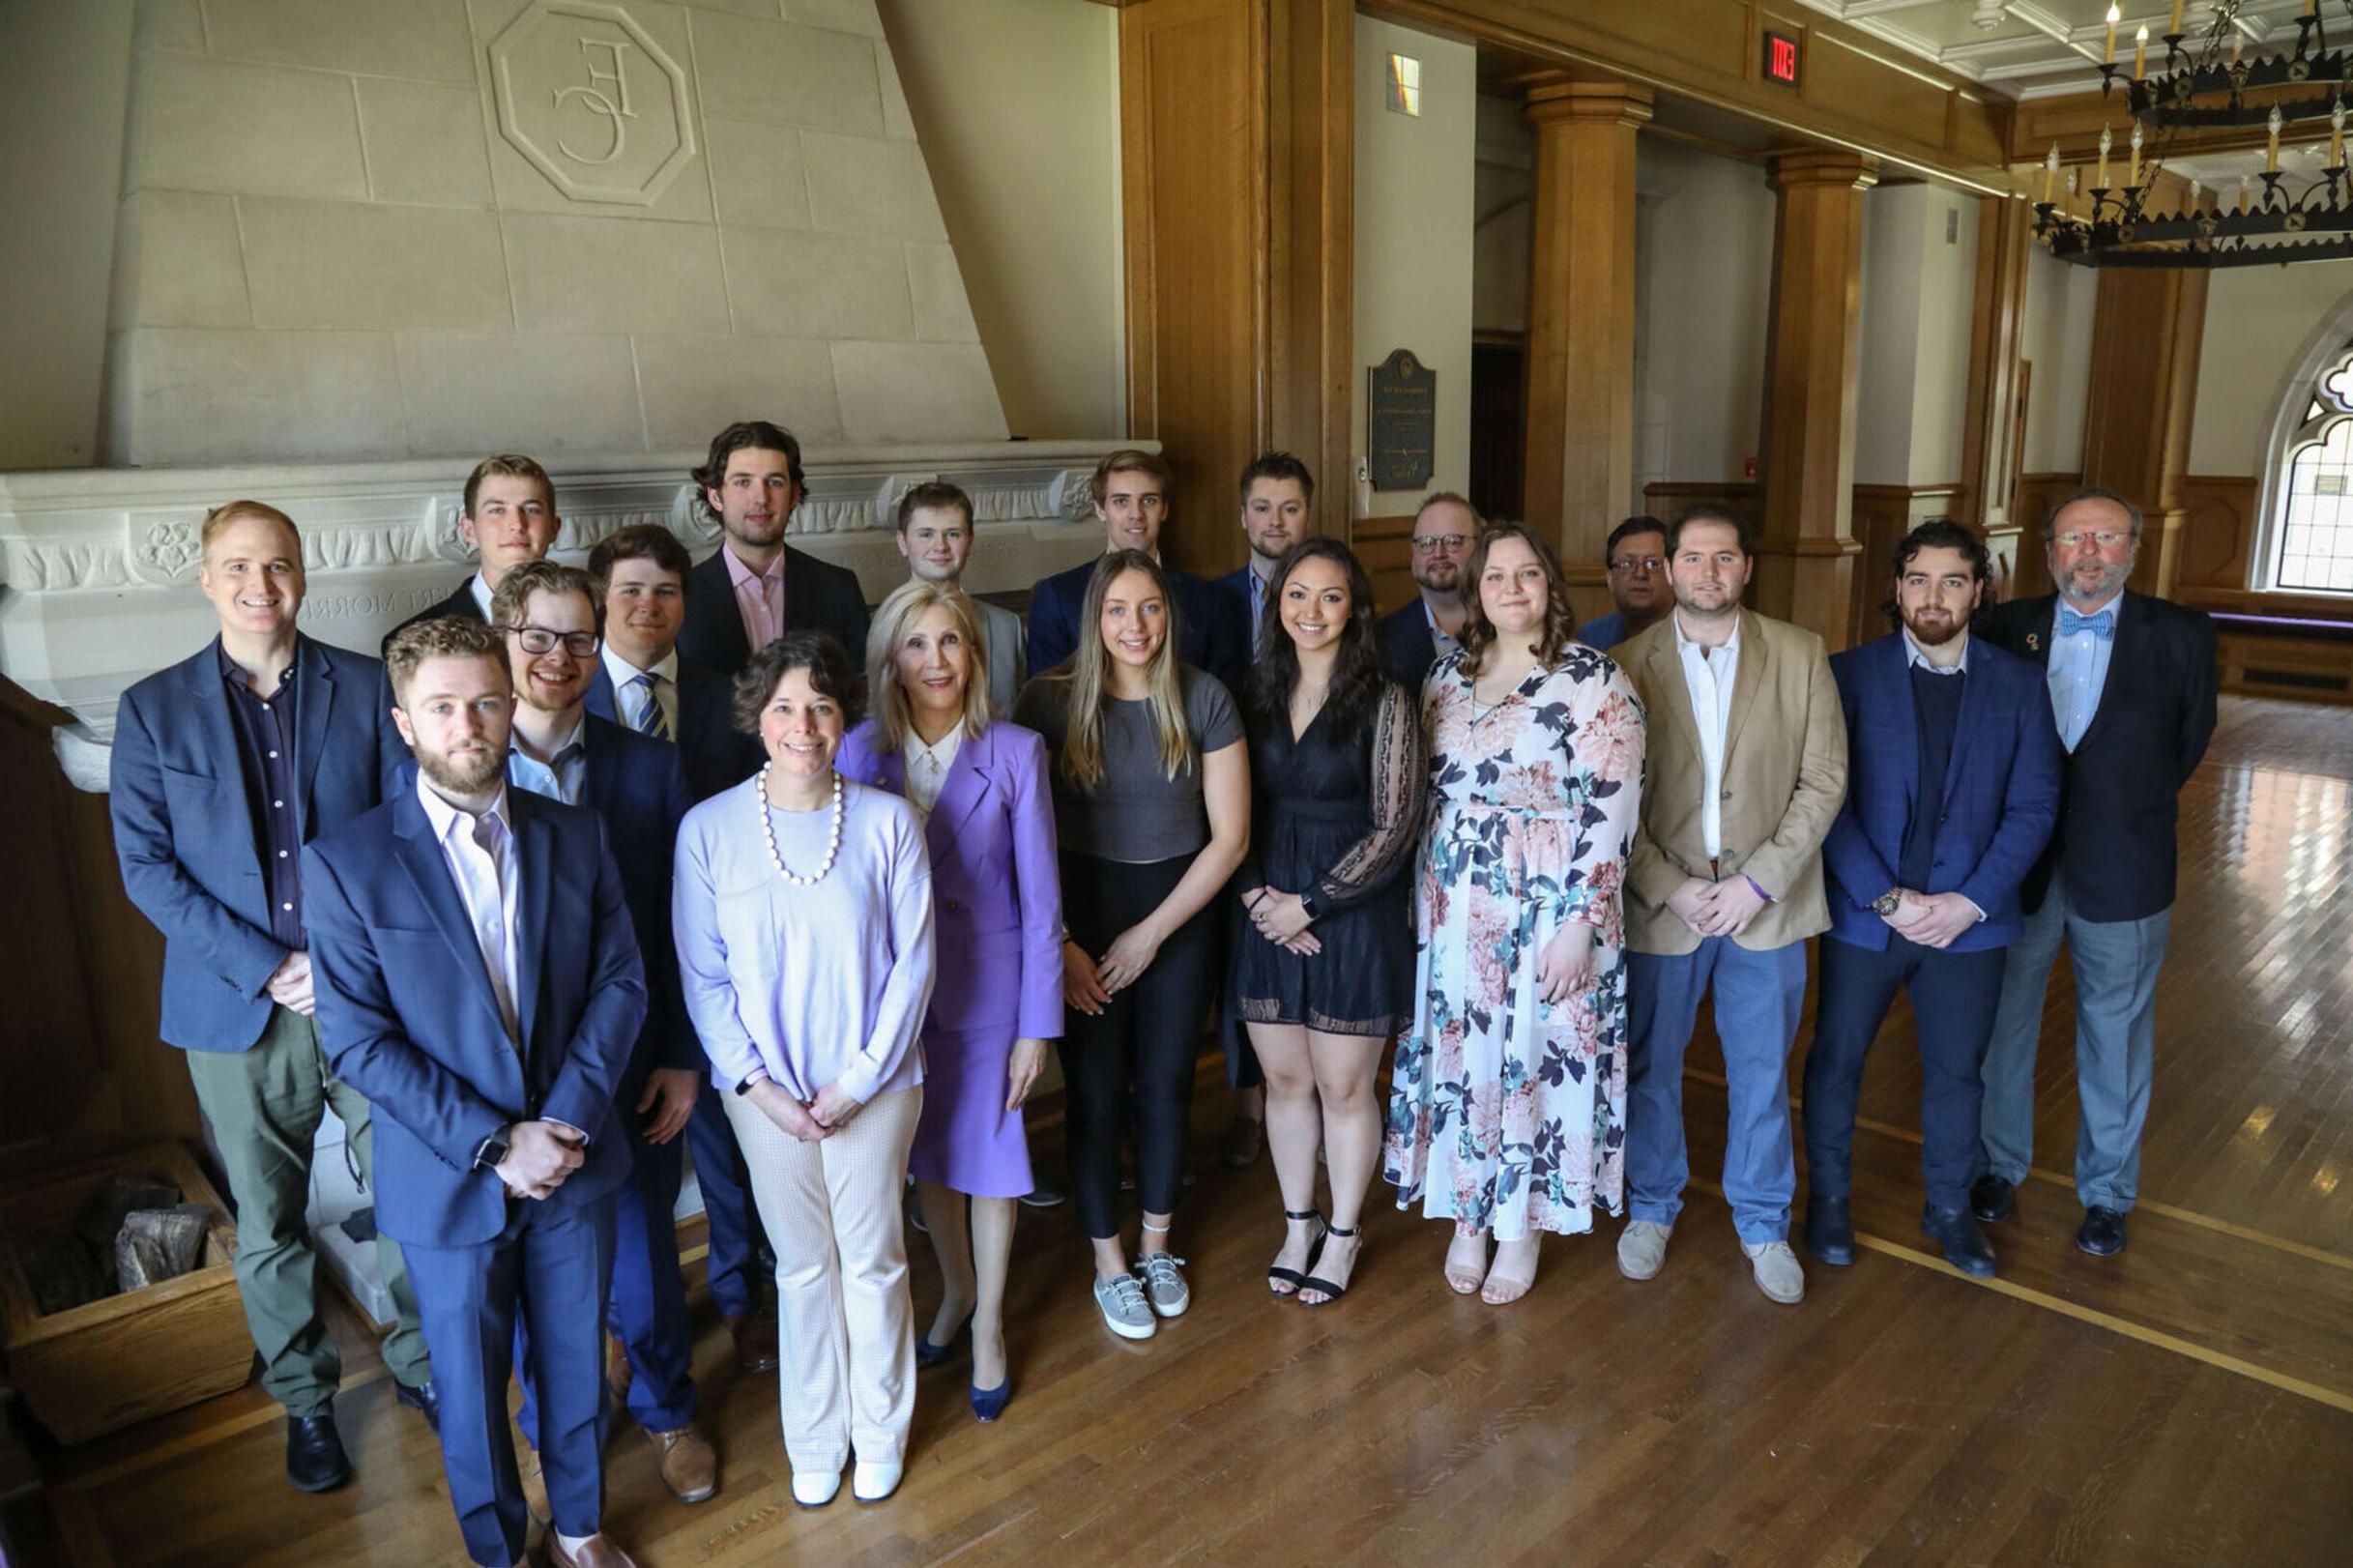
265, 1105
845, 1326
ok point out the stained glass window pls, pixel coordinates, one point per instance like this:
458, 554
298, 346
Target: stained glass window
2315, 528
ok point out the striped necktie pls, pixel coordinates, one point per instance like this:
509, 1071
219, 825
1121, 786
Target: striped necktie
649, 720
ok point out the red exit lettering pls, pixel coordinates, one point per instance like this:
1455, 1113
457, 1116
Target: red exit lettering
1781, 58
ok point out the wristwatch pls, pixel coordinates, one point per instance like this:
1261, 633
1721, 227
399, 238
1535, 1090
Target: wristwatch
493, 1153
1885, 903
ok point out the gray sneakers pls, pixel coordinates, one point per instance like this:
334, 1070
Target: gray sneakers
1778, 1274
1124, 1311
1164, 1282
1642, 1249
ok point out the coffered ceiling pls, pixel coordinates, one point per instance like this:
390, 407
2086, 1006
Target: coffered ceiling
2036, 48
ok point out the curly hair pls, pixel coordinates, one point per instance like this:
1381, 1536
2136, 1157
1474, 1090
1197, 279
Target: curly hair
832, 674
1559, 618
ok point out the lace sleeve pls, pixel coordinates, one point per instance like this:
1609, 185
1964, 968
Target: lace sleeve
1400, 773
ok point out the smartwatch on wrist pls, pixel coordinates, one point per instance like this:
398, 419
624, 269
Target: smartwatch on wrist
1885, 903
493, 1153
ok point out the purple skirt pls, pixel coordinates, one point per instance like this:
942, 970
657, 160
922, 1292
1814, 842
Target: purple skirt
966, 1140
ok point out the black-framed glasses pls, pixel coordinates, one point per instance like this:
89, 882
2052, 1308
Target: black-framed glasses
1432, 544
540, 640
1649, 564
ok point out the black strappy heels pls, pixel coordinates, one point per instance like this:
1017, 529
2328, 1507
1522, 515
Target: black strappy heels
1297, 1279
1332, 1293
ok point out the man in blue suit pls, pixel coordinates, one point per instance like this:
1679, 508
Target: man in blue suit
1952, 786
642, 574
223, 767
479, 980
547, 614
1131, 501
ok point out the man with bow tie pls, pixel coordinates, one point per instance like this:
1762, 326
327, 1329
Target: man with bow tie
2132, 682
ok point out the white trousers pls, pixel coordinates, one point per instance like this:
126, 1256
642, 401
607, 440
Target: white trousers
845, 1324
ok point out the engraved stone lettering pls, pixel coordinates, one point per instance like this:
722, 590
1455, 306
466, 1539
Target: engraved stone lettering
593, 101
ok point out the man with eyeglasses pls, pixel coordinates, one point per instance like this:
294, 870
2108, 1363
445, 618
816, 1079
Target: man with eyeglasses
546, 615
2132, 682
1417, 635
1636, 558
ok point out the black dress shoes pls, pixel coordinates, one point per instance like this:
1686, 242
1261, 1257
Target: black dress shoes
424, 1399
1964, 1245
1992, 1198
2102, 1233
1830, 1231
315, 1461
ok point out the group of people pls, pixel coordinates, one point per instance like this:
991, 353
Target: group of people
597, 867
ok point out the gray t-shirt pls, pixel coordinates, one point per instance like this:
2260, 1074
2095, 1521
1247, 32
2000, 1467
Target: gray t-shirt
1138, 814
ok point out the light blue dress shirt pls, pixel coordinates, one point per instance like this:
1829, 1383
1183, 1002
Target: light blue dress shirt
563, 777
2078, 671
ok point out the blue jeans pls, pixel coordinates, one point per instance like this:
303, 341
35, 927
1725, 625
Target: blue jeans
1759, 996
2116, 963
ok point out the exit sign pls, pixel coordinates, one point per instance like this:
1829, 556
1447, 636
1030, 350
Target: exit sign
1780, 59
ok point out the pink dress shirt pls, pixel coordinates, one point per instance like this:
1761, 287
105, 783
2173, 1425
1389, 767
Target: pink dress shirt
759, 596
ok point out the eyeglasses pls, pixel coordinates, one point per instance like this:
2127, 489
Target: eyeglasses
2107, 539
1649, 564
540, 640
1433, 543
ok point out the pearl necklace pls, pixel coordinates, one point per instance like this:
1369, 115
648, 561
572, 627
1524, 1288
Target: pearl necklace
768, 831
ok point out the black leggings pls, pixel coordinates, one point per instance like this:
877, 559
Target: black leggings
1143, 1043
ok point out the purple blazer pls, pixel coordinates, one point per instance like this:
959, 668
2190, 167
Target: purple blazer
997, 890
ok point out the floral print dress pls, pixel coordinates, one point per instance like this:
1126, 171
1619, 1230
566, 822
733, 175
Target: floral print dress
1508, 1114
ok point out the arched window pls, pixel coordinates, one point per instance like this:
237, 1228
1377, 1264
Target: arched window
2312, 521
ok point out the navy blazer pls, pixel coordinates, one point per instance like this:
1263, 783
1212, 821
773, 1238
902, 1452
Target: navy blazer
817, 596
461, 605
1208, 636
716, 755
407, 1016
184, 832
1240, 588
2118, 788
1408, 646
2001, 789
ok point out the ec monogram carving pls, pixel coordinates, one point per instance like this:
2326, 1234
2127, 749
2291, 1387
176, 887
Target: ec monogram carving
596, 104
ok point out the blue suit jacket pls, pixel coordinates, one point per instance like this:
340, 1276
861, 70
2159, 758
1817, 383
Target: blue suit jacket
1207, 635
407, 1016
1240, 588
1407, 645
184, 834
715, 755
2001, 789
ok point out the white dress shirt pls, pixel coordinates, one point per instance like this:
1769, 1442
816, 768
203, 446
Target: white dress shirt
485, 874
629, 696
482, 592
1916, 656
927, 766
1709, 674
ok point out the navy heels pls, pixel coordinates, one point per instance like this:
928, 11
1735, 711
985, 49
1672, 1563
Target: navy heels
929, 1355
988, 1403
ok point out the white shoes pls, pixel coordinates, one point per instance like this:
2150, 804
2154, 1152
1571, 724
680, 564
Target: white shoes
1642, 1249
871, 1482
1779, 1274
814, 1489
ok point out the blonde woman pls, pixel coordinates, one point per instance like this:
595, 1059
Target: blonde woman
1151, 804
996, 903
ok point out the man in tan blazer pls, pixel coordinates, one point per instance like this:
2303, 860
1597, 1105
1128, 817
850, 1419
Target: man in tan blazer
1747, 767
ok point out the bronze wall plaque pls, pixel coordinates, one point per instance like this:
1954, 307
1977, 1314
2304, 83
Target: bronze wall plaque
1401, 419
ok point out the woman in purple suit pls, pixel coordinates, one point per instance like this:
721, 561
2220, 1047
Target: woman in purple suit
998, 912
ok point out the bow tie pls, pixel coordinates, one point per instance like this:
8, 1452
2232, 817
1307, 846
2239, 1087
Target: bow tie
2102, 625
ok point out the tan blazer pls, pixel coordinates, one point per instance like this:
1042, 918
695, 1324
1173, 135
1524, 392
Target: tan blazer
1785, 776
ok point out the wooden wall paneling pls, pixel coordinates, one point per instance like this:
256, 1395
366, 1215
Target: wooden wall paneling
2146, 331
1311, 188
2037, 493
1385, 545
2217, 537
1990, 428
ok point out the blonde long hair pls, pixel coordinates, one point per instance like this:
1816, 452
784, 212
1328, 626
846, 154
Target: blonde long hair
1086, 675
898, 612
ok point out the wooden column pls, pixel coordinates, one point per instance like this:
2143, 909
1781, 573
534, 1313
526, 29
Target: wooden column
1990, 431
1579, 475
2146, 332
1806, 548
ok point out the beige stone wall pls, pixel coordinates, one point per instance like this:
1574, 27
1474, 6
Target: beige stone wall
380, 228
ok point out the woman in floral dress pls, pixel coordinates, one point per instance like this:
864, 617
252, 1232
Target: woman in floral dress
1507, 1108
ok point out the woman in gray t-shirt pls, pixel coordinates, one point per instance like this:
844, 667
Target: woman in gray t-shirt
1152, 803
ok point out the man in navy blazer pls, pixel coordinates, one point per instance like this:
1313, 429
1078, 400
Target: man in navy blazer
478, 980
1131, 501
1421, 631
2131, 681
508, 515
224, 765
1952, 786
547, 614
641, 574
755, 588
1278, 512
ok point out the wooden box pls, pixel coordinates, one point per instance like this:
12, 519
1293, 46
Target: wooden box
119, 1360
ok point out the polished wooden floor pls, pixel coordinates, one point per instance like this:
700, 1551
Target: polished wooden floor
2189, 1402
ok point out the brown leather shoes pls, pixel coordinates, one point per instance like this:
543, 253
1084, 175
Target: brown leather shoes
596, 1551
617, 1368
755, 1335
691, 1465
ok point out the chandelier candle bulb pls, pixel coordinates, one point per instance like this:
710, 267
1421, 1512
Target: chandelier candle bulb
2140, 52
2133, 179
2176, 27
2271, 145
2107, 139
2051, 172
2243, 182
2337, 135
2113, 18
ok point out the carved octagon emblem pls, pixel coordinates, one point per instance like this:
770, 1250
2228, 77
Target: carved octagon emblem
594, 102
